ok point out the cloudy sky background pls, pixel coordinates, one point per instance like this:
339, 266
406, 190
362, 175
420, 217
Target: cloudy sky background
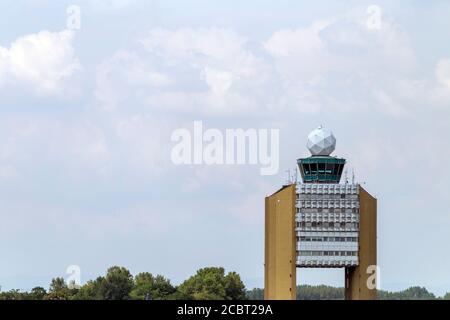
86, 118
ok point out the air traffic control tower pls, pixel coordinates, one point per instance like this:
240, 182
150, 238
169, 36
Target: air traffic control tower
320, 223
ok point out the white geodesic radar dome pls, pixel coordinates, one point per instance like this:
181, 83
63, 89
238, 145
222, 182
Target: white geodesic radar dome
321, 142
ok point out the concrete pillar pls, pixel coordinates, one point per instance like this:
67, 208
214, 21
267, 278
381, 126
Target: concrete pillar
280, 278
358, 278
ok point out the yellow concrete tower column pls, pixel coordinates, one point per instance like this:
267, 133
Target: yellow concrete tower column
280, 245
358, 286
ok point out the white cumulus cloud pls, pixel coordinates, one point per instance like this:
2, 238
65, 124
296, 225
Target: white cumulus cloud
42, 61
443, 72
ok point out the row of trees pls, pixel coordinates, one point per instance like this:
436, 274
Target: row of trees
119, 284
206, 284
306, 292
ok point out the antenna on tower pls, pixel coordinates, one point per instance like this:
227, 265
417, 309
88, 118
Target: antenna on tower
288, 181
353, 175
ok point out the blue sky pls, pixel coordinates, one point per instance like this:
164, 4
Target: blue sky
86, 118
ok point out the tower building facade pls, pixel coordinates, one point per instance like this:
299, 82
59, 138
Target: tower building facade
320, 222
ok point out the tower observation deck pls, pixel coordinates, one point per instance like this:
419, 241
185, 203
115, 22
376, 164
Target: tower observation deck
321, 167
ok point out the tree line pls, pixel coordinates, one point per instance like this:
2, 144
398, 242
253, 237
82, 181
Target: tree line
322, 292
207, 284
119, 284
